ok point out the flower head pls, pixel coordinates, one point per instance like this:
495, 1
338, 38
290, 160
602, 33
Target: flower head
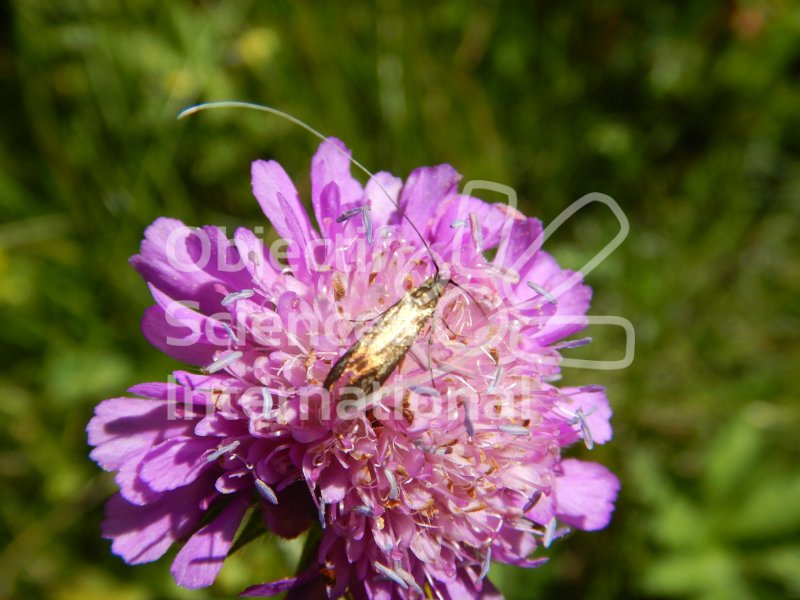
417, 482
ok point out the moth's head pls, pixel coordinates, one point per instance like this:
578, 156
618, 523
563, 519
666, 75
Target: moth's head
430, 290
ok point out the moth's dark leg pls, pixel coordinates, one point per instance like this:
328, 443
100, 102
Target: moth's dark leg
466, 291
430, 354
368, 319
450, 329
365, 320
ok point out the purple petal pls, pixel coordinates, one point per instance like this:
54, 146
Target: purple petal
543, 511
379, 589
333, 483
331, 164
464, 586
200, 560
330, 204
225, 263
131, 485
123, 427
169, 258
512, 546
520, 245
572, 301
425, 548
288, 217
181, 332
595, 406
585, 494
379, 186
256, 257
233, 481
281, 585
270, 589
521, 252
186, 263
142, 534
186, 403
158, 390
176, 462
424, 189
493, 219
156, 328
220, 424
200, 382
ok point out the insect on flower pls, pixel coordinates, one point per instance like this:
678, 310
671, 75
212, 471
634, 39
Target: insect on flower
371, 360
399, 500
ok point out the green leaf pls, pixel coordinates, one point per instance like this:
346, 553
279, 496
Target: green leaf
731, 459
251, 529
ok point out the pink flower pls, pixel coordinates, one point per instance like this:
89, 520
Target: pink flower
454, 462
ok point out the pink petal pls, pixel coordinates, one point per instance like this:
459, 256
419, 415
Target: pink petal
169, 258
572, 297
307, 585
595, 405
182, 332
176, 462
512, 546
288, 217
270, 589
331, 164
464, 586
379, 186
186, 262
424, 189
200, 560
142, 534
585, 494
458, 207
379, 589
333, 483
187, 403
131, 485
543, 512
256, 257
123, 427
520, 245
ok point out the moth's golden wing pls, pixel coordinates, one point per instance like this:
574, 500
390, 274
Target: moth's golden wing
339, 366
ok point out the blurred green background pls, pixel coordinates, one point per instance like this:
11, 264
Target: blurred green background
689, 116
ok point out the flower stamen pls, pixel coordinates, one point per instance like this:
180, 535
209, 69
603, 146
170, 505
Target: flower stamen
234, 296
230, 333
225, 361
364, 510
487, 562
393, 490
390, 574
549, 533
266, 492
476, 232
532, 501
513, 429
572, 344
222, 450
542, 292
586, 433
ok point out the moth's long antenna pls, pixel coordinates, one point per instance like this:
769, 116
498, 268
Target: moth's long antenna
284, 115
